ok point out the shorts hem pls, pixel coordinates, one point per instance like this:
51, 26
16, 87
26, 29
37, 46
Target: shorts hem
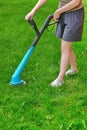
77, 40
71, 40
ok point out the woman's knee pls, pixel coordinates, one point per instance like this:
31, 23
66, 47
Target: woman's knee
66, 46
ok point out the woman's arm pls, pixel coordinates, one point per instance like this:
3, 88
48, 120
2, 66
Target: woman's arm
39, 4
67, 7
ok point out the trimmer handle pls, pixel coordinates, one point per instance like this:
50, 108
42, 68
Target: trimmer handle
45, 25
32, 22
49, 18
34, 26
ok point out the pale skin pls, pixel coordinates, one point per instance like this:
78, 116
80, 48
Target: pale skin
67, 53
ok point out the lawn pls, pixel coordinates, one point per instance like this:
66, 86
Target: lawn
36, 106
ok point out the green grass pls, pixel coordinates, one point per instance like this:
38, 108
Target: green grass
36, 106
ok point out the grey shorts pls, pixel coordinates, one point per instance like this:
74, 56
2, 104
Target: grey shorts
70, 26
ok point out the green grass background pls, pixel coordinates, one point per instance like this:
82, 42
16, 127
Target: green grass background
36, 106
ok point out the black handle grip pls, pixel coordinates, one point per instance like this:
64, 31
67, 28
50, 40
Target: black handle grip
32, 22
34, 26
50, 17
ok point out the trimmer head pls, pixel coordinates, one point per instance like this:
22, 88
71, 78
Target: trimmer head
21, 82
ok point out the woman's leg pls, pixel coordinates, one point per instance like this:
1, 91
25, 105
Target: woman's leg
65, 58
73, 61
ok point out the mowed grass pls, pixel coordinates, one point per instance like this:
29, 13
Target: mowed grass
36, 106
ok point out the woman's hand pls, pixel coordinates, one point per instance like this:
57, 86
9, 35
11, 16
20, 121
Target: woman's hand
29, 15
56, 15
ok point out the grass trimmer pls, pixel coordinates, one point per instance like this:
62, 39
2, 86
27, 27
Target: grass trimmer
16, 80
